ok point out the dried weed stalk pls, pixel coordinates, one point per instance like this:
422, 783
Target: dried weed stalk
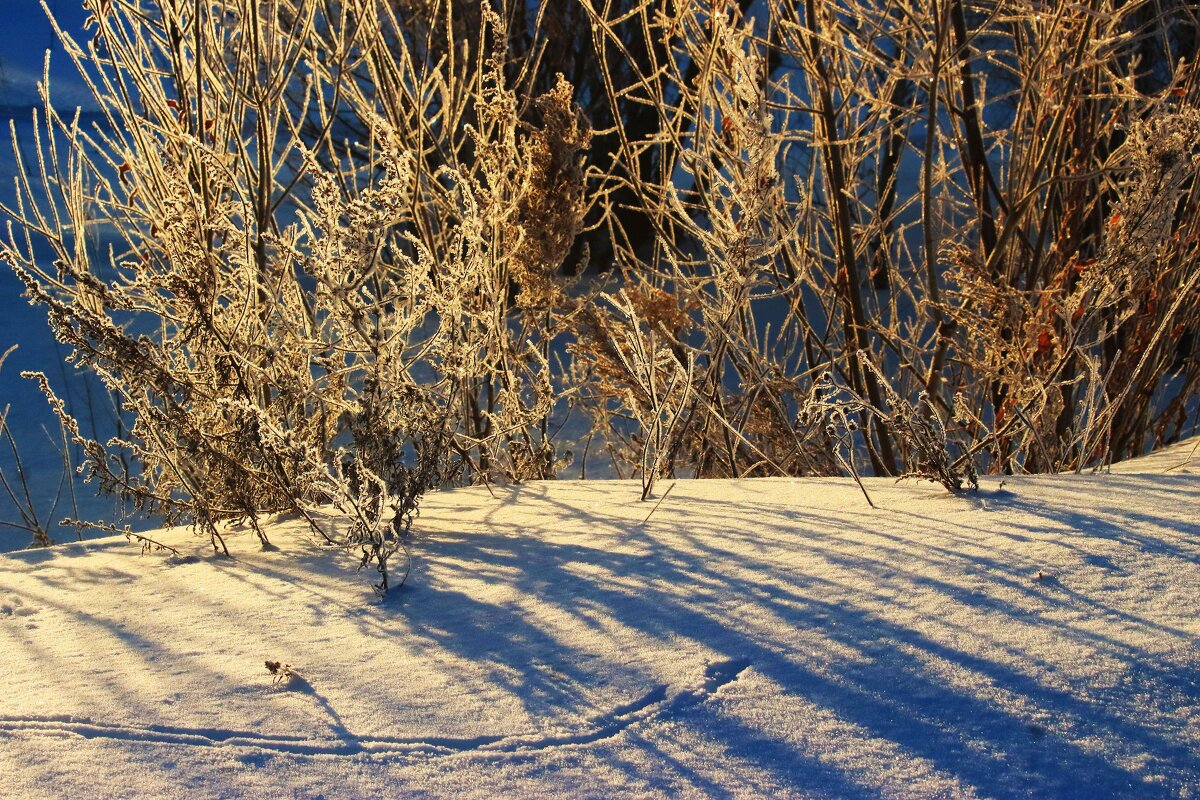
291, 320
339, 239
988, 207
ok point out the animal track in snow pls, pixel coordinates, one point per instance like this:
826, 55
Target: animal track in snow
656, 703
13, 606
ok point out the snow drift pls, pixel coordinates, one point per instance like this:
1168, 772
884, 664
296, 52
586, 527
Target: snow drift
772, 637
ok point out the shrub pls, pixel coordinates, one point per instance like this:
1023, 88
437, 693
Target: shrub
346, 244
25, 512
290, 321
988, 207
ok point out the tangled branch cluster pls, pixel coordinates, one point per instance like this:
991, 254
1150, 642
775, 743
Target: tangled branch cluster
347, 252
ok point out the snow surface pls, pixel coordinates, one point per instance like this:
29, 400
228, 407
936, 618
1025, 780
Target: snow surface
772, 637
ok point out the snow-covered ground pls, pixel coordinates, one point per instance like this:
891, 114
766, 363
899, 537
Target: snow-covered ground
769, 638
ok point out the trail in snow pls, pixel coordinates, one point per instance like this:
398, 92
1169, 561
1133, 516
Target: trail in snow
654, 704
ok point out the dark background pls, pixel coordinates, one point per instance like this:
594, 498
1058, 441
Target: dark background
25, 38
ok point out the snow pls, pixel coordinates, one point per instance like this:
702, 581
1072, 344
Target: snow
770, 637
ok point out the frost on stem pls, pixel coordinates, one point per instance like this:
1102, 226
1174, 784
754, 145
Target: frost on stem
289, 320
339, 276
